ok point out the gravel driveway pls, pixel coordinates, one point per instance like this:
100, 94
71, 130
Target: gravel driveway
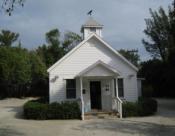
161, 124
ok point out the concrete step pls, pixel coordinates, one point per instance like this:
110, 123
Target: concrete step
102, 115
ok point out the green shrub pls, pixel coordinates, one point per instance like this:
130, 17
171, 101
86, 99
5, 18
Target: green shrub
147, 106
129, 109
42, 111
144, 107
35, 110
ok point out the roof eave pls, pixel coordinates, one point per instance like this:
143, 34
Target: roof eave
99, 62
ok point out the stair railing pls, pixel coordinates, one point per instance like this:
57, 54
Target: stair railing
118, 105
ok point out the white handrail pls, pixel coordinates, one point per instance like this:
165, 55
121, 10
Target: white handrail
119, 102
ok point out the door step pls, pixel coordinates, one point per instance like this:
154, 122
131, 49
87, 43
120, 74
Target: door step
101, 115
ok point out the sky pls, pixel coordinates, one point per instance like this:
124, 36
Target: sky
123, 20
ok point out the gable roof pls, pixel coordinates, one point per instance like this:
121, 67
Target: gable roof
99, 62
84, 41
92, 23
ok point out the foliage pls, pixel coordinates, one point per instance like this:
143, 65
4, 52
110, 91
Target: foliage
131, 55
37, 66
21, 72
160, 76
144, 107
159, 72
65, 110
35, 110
9, 5
71, 39
14, 65
55, 49
129, 109
43, 111
147, 90
160, 31
7, 38
39, 77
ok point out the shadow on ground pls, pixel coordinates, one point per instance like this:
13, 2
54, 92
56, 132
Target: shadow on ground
15, 111
9, 132
130, 127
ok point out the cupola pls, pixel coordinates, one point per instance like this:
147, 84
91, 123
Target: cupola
91, 26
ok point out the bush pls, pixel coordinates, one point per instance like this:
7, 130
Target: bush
147, 106
129, 109
144, 107
43, 111
64, 110
35, 110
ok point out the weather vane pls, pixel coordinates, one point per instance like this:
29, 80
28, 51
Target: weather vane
90, 12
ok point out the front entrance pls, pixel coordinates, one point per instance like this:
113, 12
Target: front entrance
95, 94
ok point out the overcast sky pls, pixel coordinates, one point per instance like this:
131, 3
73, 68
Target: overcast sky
123, 20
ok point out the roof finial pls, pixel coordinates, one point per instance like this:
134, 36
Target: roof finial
90, 12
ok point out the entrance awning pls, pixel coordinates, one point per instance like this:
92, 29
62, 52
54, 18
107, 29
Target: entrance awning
99, 69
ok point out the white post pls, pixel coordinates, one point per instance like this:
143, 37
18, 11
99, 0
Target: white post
121, 111
116, 86
82, 101
119, 103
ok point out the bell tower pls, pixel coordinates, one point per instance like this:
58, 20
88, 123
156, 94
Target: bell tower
91, 26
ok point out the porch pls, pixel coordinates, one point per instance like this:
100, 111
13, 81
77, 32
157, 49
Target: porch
98, 89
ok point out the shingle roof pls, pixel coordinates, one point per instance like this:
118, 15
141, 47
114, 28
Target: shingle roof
92, 23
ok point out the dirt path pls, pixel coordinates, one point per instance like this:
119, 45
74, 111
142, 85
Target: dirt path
11, 124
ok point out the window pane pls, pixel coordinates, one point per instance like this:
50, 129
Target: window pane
71, 93
70, 88
70, 83
120, 87
115, 87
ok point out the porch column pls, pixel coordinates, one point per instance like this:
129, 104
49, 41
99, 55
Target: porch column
82, 101
116, 86
119, 102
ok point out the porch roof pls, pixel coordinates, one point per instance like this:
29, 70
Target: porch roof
99, 68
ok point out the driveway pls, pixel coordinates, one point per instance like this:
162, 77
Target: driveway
161, 124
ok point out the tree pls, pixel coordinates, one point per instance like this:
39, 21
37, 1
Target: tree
15, 65
39, 76
131, 55
172, 34
71, 39
55, 49
9, 5
38, 67
160, 76
159, 72
160, 31
7, 38
22, 73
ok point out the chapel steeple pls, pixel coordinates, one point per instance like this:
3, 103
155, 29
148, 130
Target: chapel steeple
91, 26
